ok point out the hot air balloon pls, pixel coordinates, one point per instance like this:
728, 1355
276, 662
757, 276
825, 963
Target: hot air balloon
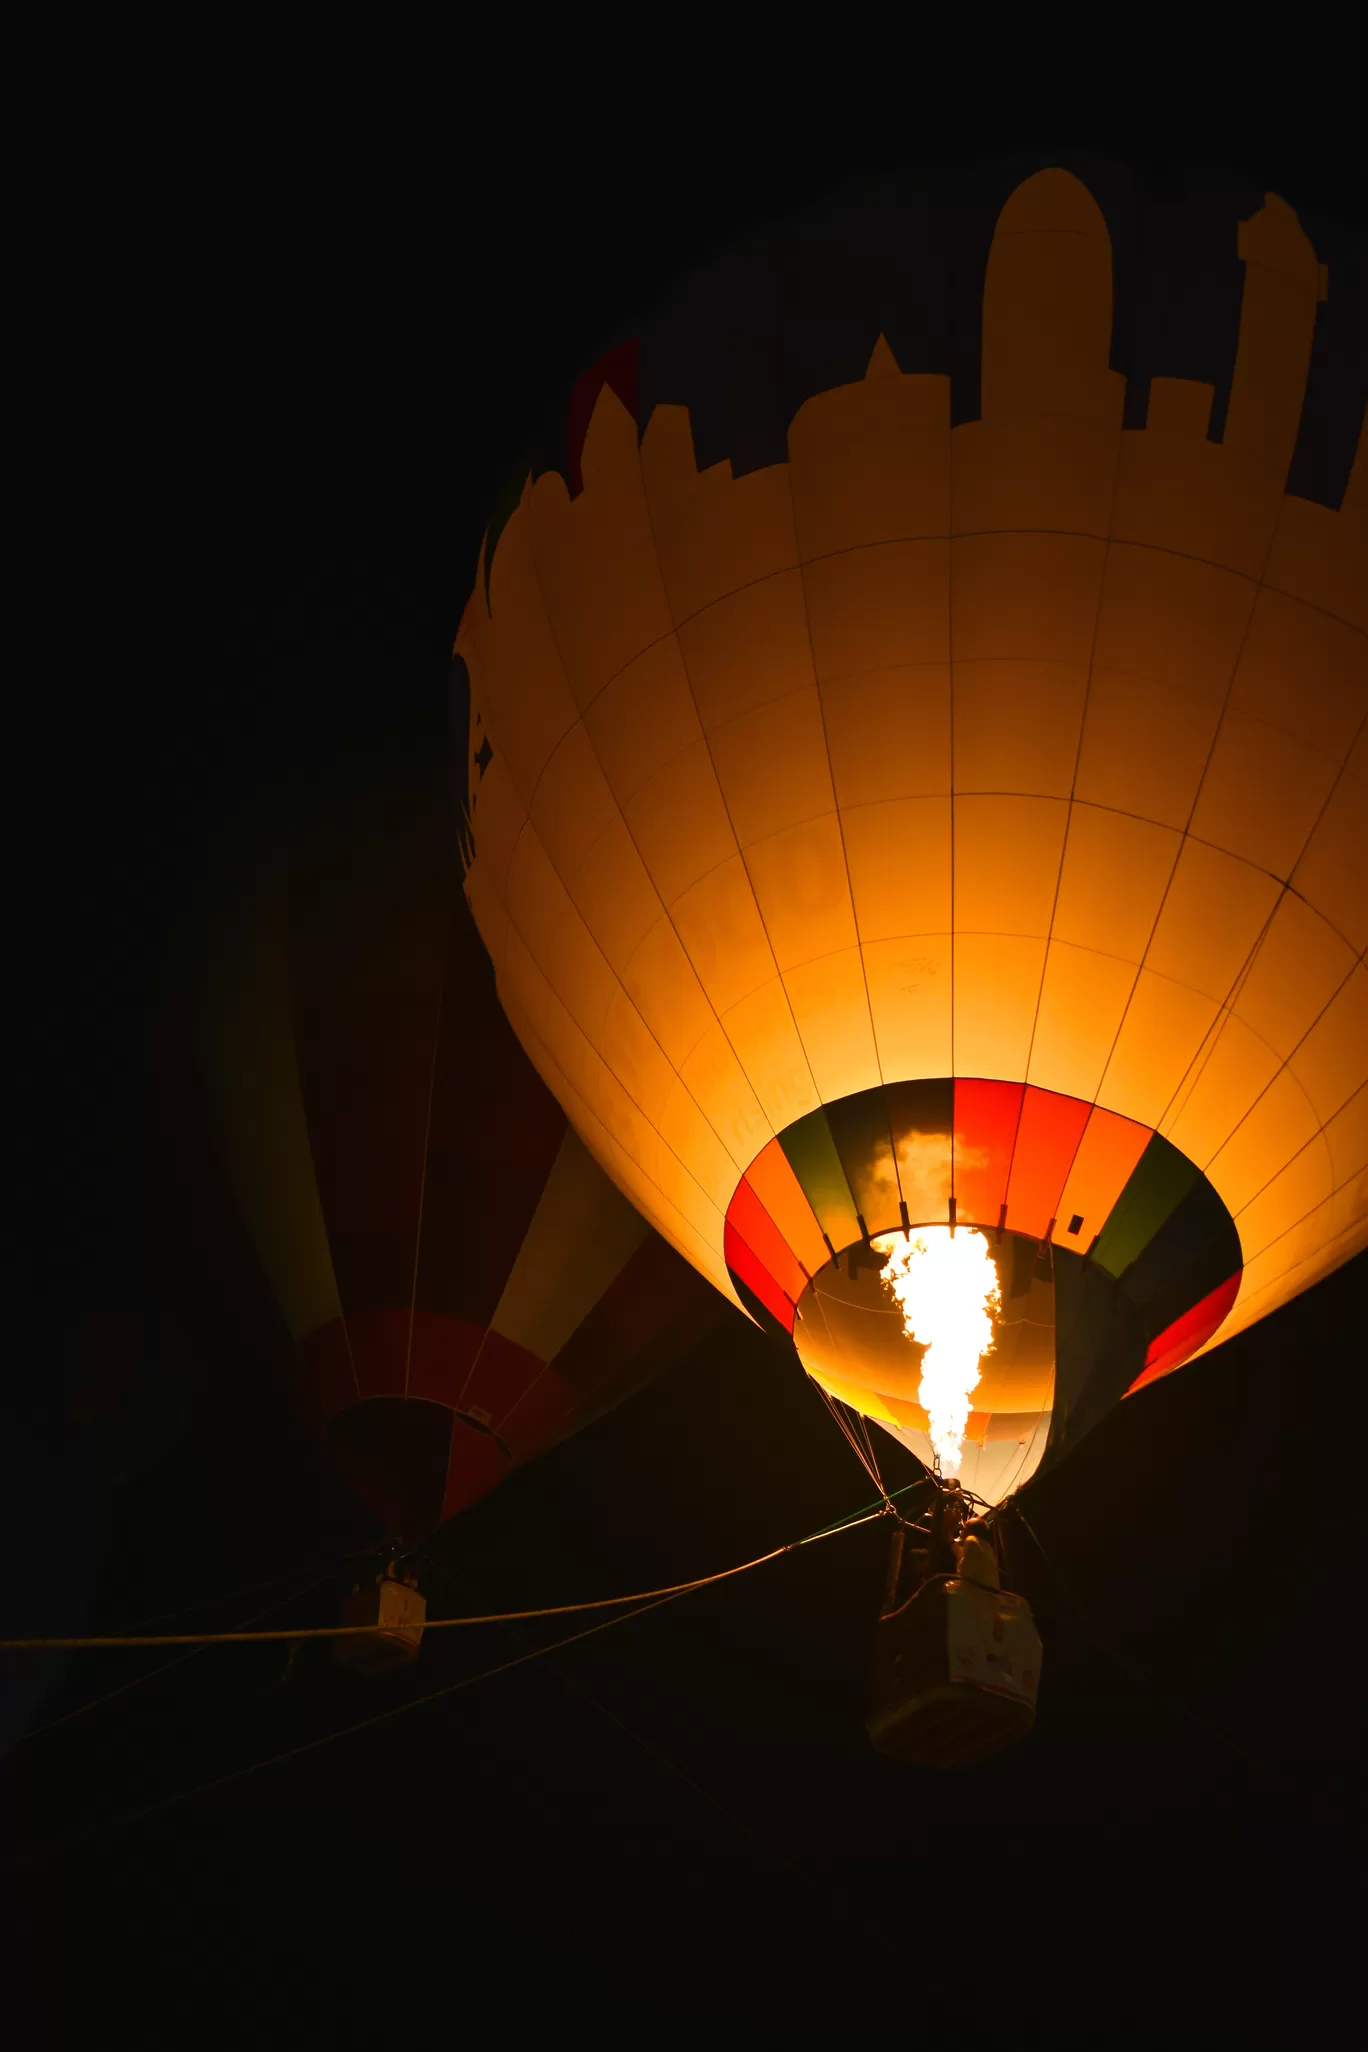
462, 1284
917, 783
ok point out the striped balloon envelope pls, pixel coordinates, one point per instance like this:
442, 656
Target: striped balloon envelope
463, 1285
918, 777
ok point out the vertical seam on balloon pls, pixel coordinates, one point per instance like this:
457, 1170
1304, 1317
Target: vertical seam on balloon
1258, 584
676, 1238
1016, 1135
835, 800
562, 737
693, 699
665, 910
840, 829
1243, 972
1354, 1225
1319, 1133
1314, 828
759, 913
1283, 1068
950, 690
427, 1148
1292, 1266
554, 1064
1227, 1009
856, 548
617, 1079
1107, 544
598, 1117
1206, 1047
1252, 1254
533, 1384
308, 1137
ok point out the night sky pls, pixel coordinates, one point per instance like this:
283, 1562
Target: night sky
312, 376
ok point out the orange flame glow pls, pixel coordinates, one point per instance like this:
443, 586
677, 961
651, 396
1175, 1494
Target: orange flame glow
946, 1287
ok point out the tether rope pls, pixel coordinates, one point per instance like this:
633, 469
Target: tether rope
244, 1638
656, 1600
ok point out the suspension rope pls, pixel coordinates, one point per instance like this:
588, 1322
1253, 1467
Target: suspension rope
863, 1454
862, 1427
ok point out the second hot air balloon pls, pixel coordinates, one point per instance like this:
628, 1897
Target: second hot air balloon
462, 1283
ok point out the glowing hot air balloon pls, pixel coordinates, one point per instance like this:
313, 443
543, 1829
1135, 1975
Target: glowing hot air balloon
917, 782
463, 1285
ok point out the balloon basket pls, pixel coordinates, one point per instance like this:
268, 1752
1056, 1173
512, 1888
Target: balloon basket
956, 1671
397, 1612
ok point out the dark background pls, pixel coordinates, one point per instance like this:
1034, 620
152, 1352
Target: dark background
295, 356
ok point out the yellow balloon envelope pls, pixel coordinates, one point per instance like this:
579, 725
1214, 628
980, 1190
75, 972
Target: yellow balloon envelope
953, 821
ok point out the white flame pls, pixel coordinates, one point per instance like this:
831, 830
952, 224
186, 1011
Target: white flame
947, 1289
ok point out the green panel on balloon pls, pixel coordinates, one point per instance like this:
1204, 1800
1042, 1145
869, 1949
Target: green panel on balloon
813, 1158
1159, 1182
859, 1126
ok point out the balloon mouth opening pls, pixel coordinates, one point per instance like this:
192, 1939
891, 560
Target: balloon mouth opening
851, 1335
1066, 1195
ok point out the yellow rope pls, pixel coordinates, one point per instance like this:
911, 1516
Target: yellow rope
432, 1624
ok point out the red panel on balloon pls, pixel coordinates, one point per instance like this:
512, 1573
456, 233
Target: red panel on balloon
380, 1350
396, 1457
986, 1116
745, 1264
477, 1465
765, 1240
1179, 1341
1046, 1143
617, 370
498, 1379
537, 1417
441, 1355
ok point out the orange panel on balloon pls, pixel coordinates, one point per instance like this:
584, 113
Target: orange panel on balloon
986, 1116
765, 1240
1107, 1153
781, 1193
1046, 1143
